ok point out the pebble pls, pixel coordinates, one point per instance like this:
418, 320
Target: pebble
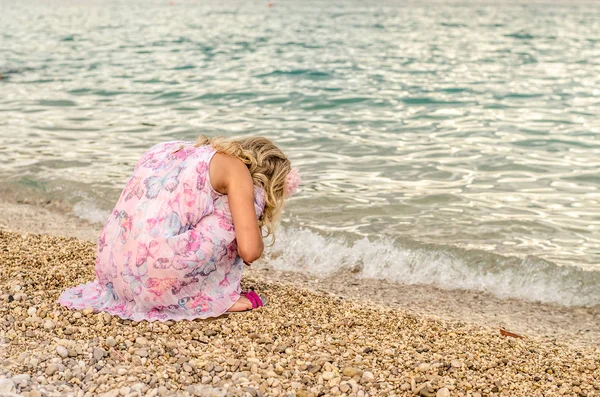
367, 377
141, 352
327, 375
352, 372
304, 393
22, 380
423, 367
110, 341
51, 369
62, 351
87, 311
443, 392
49, 324
31, 311
7, 387
98, 353
456, 363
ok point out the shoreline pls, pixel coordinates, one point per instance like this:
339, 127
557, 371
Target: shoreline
576, 325
304, 344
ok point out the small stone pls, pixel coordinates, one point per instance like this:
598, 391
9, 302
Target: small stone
210, 332
62, 351
352, 372
7, 387
98, 353
22, 380
252, 391
87, 311
443, 392
456, 363
140, 340
327, 375
423, 367
51, 369
405, 387
125, 390
31, 311
110, 341
334, 382
304, 393
367, 377
121, 371
49, 324
141, 352
427, 391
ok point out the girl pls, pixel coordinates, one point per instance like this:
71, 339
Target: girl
188, 219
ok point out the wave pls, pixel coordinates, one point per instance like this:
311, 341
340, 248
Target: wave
529, 278
88, 211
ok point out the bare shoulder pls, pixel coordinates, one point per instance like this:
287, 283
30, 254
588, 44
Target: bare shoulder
226, 171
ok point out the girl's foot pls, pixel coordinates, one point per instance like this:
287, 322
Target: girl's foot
241, 305
248, 300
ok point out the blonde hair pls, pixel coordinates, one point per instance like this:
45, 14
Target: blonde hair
268, 166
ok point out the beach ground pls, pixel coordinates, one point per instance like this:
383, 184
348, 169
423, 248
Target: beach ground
306, 342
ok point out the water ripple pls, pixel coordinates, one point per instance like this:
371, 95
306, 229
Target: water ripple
470, 125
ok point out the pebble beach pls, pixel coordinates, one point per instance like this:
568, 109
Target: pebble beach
302, 344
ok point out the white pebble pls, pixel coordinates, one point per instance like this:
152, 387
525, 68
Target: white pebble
443, 392
62, 351
6, 387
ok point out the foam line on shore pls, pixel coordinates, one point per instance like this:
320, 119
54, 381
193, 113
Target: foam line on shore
527, 278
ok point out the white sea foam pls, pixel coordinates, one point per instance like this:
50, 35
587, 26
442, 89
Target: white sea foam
87, 210
528, 278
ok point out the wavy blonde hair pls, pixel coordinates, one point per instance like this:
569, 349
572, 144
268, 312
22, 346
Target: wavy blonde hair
268, 166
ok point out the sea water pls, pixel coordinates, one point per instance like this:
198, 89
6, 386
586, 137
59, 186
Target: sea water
441, 142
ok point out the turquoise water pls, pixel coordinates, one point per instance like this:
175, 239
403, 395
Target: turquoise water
446, 143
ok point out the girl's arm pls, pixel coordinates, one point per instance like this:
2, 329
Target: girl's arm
230, 176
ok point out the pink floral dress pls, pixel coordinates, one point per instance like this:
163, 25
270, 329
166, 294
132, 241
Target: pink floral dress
168, 251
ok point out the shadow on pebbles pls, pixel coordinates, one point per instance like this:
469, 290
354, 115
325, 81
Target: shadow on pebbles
301, 344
